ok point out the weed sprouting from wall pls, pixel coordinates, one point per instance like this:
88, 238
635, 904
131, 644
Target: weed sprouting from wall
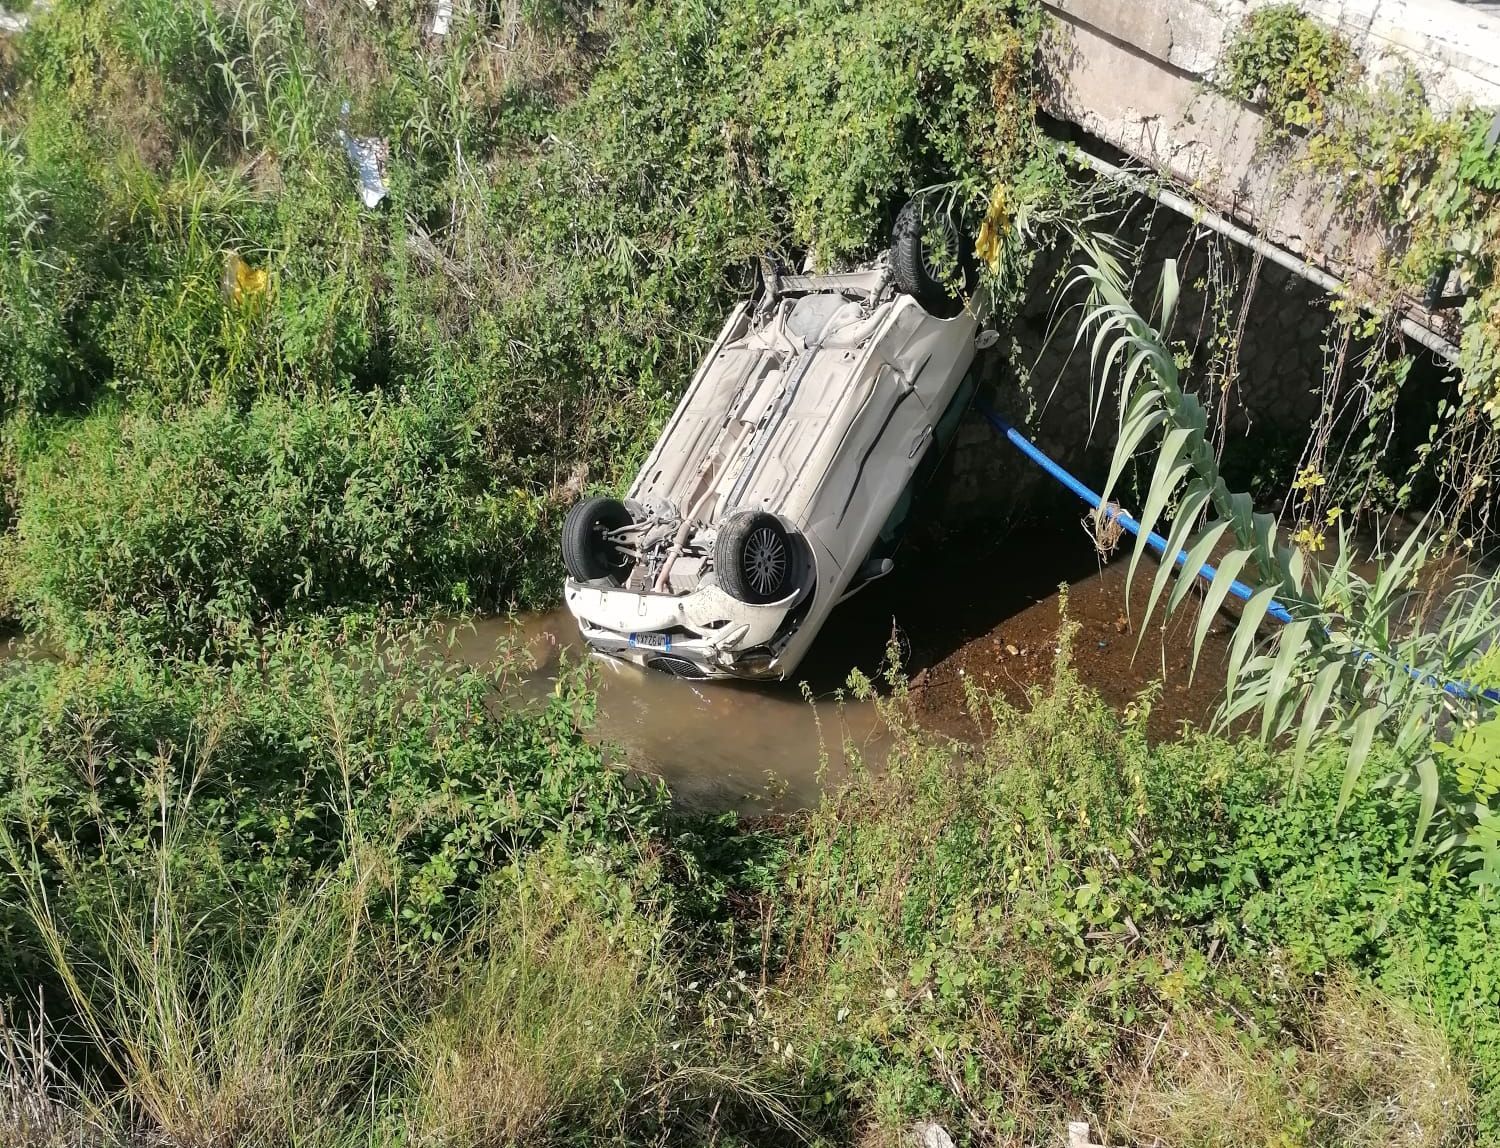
1425, 188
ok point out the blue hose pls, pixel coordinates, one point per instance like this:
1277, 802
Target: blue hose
1153, 539
1159, 544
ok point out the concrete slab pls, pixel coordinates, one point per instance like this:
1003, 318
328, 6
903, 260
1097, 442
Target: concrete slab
1139, 76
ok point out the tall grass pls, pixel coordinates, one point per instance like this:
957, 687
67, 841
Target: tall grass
218, 1038
41, 1103
556, 1020
1371, 1071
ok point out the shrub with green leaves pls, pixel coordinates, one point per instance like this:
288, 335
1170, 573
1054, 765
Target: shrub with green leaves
1067, 920
1291, 62
183, 531
270, 769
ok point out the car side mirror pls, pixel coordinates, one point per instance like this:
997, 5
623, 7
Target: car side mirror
985, 340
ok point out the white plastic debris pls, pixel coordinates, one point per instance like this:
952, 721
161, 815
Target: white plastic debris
930, 1134
368, 155
442, 18
14, 23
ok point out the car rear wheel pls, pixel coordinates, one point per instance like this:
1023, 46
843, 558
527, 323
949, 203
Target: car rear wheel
588, 554
932, 257
755, 559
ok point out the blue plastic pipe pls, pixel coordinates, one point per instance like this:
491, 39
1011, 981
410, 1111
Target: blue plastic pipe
1159, 544
1153, 539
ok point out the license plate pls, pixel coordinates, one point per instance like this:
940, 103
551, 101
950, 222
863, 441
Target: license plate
651, 641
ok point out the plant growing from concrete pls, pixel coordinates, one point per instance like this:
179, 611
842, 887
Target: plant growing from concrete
1425, 187
1290, 63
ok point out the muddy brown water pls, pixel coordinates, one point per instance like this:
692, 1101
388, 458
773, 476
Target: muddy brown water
988, 611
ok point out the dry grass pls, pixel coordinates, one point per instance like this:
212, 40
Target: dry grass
1369, 1073
41, 1104
556, 1016
492, 46
314, 1027
215, 1038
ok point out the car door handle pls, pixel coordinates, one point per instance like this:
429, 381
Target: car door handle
919, 441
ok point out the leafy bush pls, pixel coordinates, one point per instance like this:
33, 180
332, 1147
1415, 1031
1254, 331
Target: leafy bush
271, 769
1329, 893
1067, 920
182, 530
1291, 62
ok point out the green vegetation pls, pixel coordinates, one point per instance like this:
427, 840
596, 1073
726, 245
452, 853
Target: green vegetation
1356, 655
1423, 186
1289, 62
272, 872
397, 410
1058, 920
1067, 915
189, 530
257, 763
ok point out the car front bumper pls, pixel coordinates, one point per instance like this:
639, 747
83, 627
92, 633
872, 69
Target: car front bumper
705, 633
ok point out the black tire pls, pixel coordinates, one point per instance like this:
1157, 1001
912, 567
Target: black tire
755, 558
587, 556
932, 258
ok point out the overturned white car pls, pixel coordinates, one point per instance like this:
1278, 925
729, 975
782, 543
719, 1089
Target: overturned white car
780, 484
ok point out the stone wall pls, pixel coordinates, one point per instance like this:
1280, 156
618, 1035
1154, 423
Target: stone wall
1043, 384
1139, 75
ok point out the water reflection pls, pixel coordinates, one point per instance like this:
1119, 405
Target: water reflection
725, 745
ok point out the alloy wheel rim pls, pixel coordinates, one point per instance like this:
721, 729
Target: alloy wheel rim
765, 560
939, 248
